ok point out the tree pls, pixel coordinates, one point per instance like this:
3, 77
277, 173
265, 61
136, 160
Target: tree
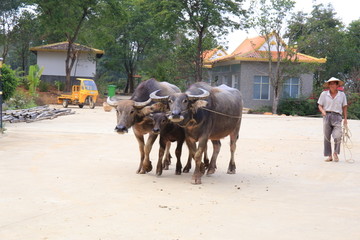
9, 81
204, 18
269, 19
129, 30
9, 12
353, 46
320, 34
66, 17
26, 32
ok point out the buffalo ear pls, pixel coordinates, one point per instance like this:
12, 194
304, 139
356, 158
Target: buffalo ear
198, 104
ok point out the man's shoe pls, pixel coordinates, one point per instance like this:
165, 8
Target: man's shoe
336, 158
329, 159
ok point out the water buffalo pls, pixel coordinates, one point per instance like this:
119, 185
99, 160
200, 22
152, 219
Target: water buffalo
134, 113
206, 113
169, 132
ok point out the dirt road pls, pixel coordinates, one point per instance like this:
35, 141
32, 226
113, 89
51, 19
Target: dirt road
73, 178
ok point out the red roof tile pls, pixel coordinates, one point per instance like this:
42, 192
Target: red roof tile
248, 50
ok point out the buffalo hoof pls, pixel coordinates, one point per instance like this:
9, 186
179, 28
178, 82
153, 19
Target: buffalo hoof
231, 171
178, 172
147, 167
210, 171
166, 166
159, 173
142, 171
186, 169
196, 180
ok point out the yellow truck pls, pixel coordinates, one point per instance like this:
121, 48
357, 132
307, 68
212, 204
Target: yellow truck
84, 91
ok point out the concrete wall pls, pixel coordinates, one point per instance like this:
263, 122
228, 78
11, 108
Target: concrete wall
54, 64
53, 78
242, 75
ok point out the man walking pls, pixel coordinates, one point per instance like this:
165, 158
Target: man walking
333, 107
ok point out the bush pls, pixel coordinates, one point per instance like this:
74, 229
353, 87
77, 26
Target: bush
9, 81
44, 87
35, 73
299, 106
20, 100
261, 110
60, 86
353, 106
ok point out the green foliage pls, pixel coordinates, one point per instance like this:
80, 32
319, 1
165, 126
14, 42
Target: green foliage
353, 106
300, 107
9, 81
34, 78
44, 86
202, 18
59, 85
20, 100
26, 33
321, 34
64, 18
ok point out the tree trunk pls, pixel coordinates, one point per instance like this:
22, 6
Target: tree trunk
131, 83
68, 71
129, 88
199, 60
275, 102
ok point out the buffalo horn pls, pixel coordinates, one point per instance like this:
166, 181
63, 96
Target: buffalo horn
142, 104
203, 95
157, 98
112, 102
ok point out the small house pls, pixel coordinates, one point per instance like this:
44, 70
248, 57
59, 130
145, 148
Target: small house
247, 70
52, 57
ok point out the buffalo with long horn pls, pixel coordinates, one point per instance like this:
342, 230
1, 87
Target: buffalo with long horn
206, 113
134, 113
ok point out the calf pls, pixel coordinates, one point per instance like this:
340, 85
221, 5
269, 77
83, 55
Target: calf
169, 132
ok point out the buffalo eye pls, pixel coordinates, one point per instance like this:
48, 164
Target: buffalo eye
132, 111
170, 101
185, 101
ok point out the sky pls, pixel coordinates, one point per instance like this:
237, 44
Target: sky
347, 11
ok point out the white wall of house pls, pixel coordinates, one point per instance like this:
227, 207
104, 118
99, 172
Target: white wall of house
54, 64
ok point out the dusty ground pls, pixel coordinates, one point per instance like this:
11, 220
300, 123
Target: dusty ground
74, 178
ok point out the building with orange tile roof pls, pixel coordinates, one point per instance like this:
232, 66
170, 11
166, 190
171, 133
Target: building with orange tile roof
246, 68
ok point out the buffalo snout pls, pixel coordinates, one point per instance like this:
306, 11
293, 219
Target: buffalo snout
176, 117
176, 112
156, 130
121, 129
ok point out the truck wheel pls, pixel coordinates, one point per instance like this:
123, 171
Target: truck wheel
81, 105
65, 103
91, 103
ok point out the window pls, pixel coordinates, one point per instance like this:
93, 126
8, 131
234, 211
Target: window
261, 88
291, 88
224, 80
235, 79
